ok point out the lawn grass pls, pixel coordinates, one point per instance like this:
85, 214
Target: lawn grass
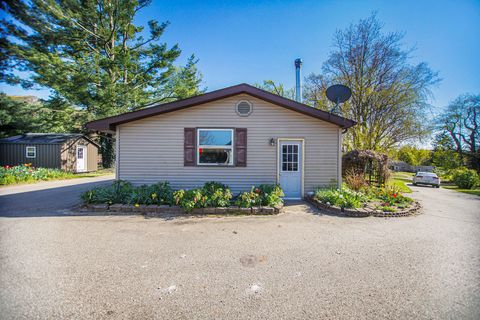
475, 192
93, 174
398, 179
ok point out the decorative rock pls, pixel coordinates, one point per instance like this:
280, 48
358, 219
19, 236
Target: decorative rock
100, 207
140, 208
197, 211
233, 210
163, 208
175, 210
221, 210
209, 211
127, 208
151, 208
268, 210
256, 210
246, 211
116, 207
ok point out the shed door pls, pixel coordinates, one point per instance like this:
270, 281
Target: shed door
81, 158
290, 168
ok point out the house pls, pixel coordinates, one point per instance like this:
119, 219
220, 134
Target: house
240, 136
405, 167
67, 151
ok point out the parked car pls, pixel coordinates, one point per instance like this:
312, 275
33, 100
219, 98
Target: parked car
427, 178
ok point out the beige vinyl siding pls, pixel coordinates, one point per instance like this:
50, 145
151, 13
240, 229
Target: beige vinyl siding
151, 149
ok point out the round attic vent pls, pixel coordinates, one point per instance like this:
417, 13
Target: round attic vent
244, 108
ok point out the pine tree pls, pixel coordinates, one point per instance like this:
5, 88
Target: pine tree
91, 54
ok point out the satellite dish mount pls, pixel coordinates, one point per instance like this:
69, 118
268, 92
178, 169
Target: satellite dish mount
338, 93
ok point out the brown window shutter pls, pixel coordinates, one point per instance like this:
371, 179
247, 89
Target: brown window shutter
241, 147
189, 147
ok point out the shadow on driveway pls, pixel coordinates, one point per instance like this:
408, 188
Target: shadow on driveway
53, 201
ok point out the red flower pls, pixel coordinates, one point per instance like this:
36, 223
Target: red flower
30, 170
394, 195
257, 191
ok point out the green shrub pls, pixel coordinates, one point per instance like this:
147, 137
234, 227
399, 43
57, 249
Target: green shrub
218, 195
344, 197
119, 192
465, 178
271, 194
190, 199
159, 194
264, 195
212, 194
249, 199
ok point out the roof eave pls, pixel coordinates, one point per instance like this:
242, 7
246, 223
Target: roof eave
109, 124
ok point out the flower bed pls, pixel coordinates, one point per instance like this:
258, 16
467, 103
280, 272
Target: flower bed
26, 173
158, 199
374, 201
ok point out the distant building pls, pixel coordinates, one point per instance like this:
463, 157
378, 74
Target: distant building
403, 166
73, 152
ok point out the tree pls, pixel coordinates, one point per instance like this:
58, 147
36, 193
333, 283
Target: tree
389, 95
21, 115
276, 88
91, 54
444, 154
461, 123
414, 156
185, 82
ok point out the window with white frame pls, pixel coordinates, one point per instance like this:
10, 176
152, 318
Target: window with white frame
215, 147
31, 152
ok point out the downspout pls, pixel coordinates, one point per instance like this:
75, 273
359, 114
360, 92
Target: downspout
117, 153
339, 163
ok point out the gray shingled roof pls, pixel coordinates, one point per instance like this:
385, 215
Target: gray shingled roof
31, 138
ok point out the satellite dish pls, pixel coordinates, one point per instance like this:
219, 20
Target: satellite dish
338, 93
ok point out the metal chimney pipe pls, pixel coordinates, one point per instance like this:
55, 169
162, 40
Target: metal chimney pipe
298, 80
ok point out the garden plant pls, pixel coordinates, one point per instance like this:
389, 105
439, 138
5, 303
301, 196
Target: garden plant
27, 173
385, 198
212, 194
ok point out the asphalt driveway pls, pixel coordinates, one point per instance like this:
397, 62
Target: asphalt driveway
49, 198
299, 265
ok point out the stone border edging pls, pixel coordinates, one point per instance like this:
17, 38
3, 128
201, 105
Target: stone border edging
363, 212
153, 211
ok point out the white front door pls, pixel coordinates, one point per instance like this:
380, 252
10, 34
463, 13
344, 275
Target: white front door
290, 168
81, 158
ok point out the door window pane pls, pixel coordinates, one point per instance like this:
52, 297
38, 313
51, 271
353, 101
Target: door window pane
290, 157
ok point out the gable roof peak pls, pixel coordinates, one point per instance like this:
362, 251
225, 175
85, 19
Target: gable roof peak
109, 124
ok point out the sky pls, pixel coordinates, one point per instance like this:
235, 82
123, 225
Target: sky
251, 41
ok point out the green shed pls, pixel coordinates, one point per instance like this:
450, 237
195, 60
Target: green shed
72, 152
